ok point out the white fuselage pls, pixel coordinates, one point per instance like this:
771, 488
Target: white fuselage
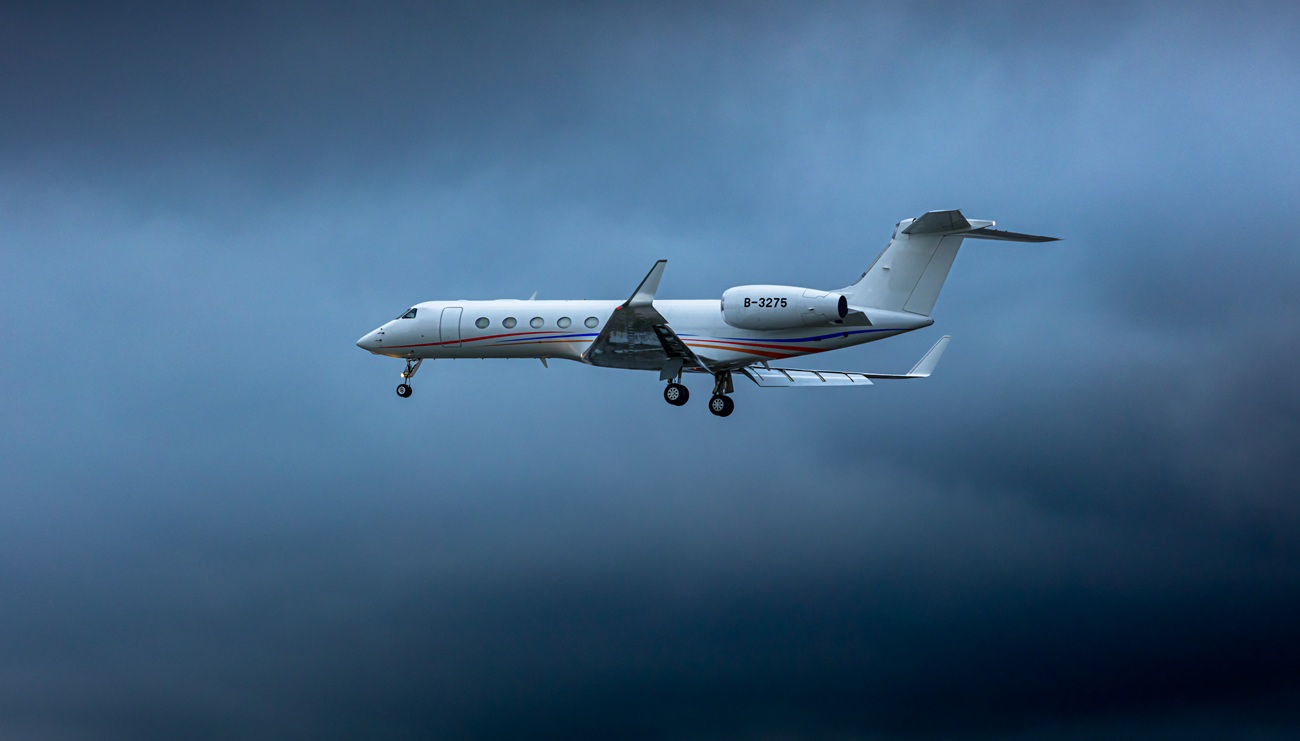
512, 328
737, 335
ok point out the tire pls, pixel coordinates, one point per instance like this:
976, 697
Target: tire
721, 406
676, 394
404, 391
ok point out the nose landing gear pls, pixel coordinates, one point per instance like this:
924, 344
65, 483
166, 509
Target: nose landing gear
404, 389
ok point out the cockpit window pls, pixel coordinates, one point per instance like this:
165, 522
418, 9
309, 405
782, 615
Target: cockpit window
408, 315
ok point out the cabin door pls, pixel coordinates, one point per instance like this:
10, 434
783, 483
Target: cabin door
450, 328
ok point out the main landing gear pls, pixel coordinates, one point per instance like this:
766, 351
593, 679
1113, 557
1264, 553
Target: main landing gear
720, 404
404, 389
676, 394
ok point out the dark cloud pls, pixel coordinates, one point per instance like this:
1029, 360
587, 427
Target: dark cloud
218, 520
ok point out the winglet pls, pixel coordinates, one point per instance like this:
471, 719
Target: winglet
644, 295
924, 368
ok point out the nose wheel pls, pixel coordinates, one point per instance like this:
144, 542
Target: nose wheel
404, 388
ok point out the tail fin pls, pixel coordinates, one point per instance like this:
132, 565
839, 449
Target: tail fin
909, 273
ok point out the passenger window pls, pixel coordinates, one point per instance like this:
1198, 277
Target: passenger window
508, 322
536, 322
564, 322
592, 322
481, 322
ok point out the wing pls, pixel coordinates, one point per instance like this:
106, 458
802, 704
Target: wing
786, 377
636, 335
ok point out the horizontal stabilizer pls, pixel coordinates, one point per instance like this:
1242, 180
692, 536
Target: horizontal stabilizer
987, 233
938, 222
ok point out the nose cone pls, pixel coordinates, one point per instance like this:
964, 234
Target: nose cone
372, 342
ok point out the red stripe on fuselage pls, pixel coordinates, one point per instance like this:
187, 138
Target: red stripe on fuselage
471, 339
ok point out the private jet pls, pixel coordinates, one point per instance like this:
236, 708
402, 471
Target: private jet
745, 332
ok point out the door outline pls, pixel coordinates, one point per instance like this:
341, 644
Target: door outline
449, 327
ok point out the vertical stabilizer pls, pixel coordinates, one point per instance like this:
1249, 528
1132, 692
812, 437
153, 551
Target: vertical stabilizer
909, 273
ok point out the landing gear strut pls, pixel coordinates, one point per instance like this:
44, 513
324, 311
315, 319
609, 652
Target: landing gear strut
404, 389
720, 404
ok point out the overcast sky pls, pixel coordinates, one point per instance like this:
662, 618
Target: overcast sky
219, 521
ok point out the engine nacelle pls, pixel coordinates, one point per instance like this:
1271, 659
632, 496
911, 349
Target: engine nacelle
781, 307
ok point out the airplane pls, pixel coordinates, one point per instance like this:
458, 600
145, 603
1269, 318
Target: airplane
743, 333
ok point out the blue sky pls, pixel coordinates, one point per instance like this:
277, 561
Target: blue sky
218, 518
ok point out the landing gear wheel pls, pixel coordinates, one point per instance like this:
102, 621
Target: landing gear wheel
412, 365
721, 406
676, 394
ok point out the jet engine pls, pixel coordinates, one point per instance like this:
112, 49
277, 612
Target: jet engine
781, 307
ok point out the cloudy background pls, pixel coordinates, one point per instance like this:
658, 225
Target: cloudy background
218, 520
